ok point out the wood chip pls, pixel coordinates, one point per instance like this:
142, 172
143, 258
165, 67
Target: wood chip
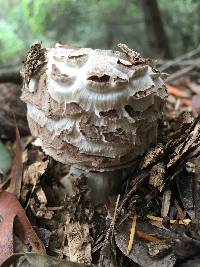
166, 203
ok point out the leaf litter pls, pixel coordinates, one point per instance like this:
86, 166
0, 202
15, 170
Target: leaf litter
57, 214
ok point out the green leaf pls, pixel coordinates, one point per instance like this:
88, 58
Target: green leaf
5, 159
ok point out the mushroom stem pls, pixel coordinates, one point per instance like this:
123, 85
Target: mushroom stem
101, 185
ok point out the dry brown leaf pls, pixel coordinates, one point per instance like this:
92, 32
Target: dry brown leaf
159, 248
140, 253
41, 196
34, 171
14, 219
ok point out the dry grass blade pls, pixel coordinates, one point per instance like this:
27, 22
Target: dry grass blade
159, 219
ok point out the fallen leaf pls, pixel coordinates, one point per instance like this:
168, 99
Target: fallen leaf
38, 260
34, 171
140, 254
13, 219
185, 247
31, 177
159, 248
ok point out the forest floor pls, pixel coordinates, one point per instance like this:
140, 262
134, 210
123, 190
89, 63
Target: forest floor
154, 221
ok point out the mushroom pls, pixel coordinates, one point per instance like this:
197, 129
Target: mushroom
95, 109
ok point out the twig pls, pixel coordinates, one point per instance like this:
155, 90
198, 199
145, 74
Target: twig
182, 63
180, 58
180, 73
138, 180
114, 217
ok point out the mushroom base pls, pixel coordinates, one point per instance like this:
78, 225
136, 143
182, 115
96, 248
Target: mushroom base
101, 185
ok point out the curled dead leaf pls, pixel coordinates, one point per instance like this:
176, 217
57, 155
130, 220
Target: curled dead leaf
14, 220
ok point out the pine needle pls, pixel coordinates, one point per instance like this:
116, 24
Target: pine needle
132, 235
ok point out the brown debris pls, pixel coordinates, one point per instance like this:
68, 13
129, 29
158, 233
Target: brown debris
99, 79
31, 177
166, 203
133, 56
79, 242
34, 61
159, 249
78, 217
157, 174
89, 130
118, 136
110, 114
152, 156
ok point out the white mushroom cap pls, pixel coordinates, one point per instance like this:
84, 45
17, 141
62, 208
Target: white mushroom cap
95, 108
